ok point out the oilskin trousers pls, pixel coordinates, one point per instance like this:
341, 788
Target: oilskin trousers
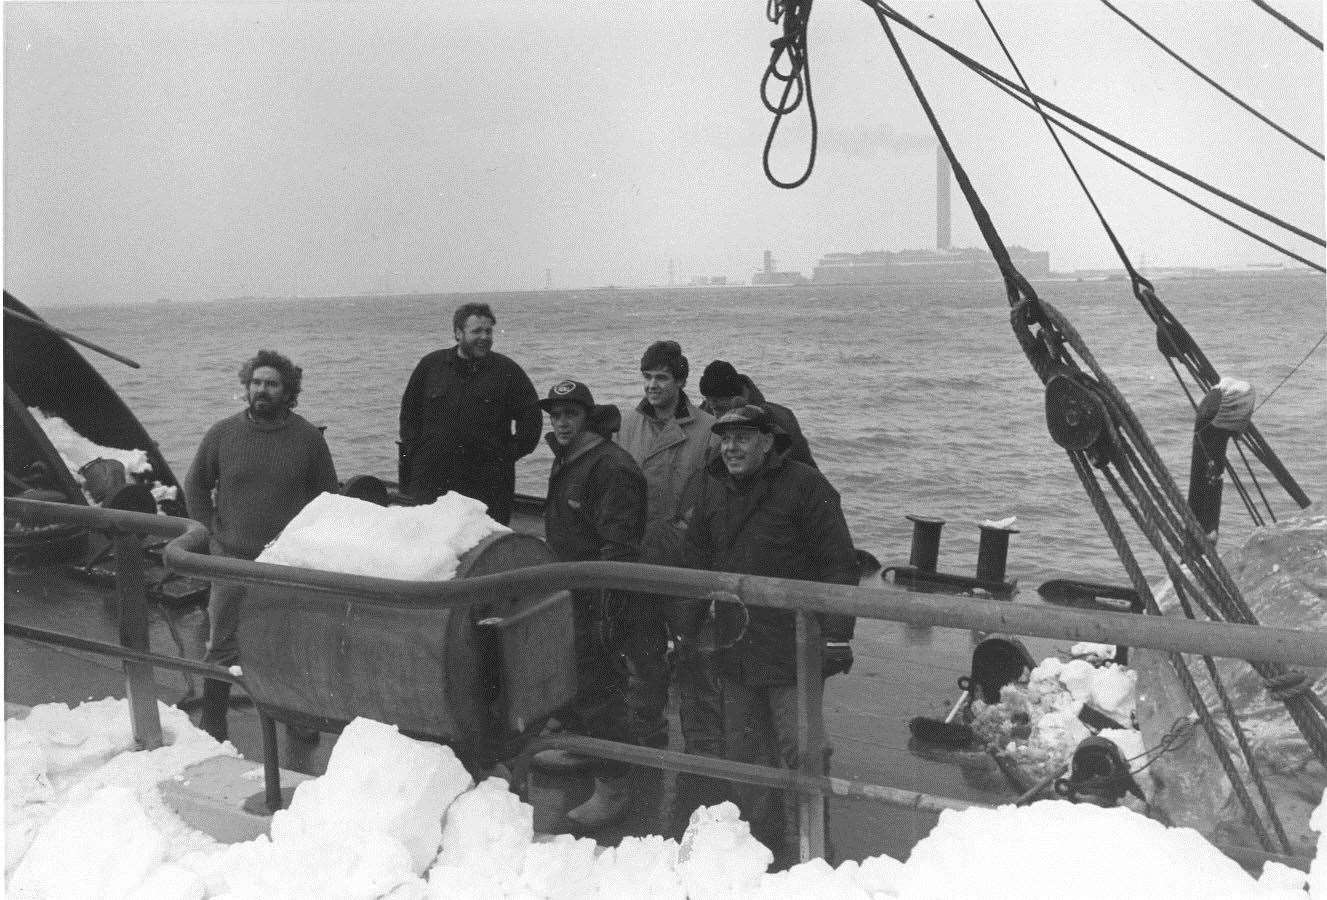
699, 701
599, 708
642, 639
760, 726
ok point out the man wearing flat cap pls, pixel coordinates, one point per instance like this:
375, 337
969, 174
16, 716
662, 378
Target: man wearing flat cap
595, 511
760, 513
725, 388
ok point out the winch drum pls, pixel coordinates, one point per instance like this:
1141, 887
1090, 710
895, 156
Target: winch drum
438, 674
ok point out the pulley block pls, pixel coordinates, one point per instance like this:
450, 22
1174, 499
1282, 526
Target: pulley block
1076, 417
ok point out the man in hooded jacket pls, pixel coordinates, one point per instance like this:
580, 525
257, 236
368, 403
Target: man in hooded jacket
595, 511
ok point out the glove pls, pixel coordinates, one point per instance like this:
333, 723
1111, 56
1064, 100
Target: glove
836, 658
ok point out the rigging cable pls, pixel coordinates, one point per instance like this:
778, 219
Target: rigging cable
1288, 23
1090, 418
1195, 70
1316, 344
795, 15
1172, 338
1069, 129
881, 8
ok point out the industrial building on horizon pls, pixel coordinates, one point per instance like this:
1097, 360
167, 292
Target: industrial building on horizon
944, 263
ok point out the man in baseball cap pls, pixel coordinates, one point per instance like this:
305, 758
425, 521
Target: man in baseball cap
595, 510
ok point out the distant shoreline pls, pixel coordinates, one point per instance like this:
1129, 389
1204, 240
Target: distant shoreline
1085, 276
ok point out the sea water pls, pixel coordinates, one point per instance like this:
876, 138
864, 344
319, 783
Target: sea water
915, 398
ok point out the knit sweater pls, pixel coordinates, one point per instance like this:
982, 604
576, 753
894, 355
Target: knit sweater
261, 474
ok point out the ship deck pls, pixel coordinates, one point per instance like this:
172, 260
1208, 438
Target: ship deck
900, 671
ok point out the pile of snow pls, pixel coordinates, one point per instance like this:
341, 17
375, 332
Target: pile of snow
83, 817
410, 543
397, 818
1036, 724
77, 451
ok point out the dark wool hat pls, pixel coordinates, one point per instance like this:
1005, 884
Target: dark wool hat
568, 392
749, 416
666, 355
720, 379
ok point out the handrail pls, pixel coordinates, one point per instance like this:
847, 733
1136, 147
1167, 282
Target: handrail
887, 602
1254, 643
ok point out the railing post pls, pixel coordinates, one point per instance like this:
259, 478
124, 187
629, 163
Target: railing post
131, 592
810, 735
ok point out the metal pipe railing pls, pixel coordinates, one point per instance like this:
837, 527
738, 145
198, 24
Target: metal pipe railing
185, 554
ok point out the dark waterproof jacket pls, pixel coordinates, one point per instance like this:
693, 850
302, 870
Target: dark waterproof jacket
461, 410
795, 442
596, 496
784, 522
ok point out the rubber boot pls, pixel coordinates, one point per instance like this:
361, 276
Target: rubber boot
216, 694
609, 803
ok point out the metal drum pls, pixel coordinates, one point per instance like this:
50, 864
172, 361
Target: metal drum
470, 677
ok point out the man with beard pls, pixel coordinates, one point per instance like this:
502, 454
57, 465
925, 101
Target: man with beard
759, 512
595, 511
457, 417
252, 474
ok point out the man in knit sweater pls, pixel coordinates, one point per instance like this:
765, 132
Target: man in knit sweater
253, 473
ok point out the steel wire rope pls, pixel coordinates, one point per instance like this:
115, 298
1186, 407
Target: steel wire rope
1024, 301
795, 14
1143, 519
1302, 704
1084, 469
1287, 22
1224, 220
1199, 367
1195, 70
883, 10
1316, 344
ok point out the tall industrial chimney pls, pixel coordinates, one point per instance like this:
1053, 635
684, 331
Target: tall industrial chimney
941, 199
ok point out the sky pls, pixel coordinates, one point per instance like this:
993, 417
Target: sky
204, 150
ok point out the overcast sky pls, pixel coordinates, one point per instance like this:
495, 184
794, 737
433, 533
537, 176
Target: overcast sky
203, 150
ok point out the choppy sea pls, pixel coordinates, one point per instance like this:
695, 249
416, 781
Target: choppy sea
915, 398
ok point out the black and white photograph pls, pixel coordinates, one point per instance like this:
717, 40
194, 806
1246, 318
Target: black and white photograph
670, 450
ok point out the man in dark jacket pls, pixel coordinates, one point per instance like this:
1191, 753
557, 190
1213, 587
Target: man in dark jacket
724, 388
457, 415
761, 513
595, 511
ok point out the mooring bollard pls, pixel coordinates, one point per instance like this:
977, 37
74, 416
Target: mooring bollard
925, 542
993, 552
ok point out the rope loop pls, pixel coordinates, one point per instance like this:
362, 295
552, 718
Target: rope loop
1290, 684
794, 15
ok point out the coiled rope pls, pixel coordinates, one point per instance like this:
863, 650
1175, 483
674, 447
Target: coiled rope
794, 15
